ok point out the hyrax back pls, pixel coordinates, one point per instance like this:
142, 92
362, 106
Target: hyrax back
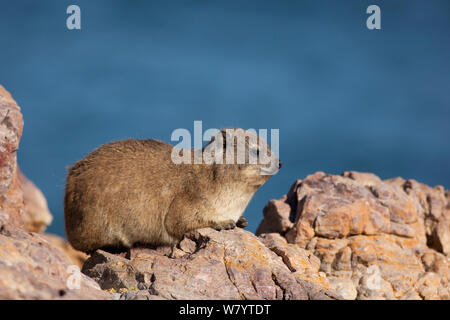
131, 192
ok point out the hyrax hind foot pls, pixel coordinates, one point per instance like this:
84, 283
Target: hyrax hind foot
242, 222
225, 225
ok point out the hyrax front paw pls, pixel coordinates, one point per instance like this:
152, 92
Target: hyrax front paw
225, 225
242, 222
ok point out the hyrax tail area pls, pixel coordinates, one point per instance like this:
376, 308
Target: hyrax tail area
115, 196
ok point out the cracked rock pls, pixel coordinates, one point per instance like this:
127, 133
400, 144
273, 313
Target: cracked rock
374, 239
230, 264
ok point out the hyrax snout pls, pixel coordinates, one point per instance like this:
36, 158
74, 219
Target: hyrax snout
137, 192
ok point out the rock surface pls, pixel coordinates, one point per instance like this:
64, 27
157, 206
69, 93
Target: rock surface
375, 239
208, 264
30, 267
76, 257
36, 216
11, 126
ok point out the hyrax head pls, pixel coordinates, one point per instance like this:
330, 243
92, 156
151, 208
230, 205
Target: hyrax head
245, 150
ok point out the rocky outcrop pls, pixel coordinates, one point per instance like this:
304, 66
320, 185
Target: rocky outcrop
30, 267
11, 126
36, 215
375, 239
208, 264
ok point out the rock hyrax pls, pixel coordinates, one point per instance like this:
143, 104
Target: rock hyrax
131, 192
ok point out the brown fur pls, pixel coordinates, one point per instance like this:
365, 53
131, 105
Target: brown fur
130, 192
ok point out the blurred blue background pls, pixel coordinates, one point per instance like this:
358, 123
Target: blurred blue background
343, 97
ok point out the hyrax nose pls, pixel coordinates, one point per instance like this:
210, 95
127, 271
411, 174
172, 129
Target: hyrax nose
279, 164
